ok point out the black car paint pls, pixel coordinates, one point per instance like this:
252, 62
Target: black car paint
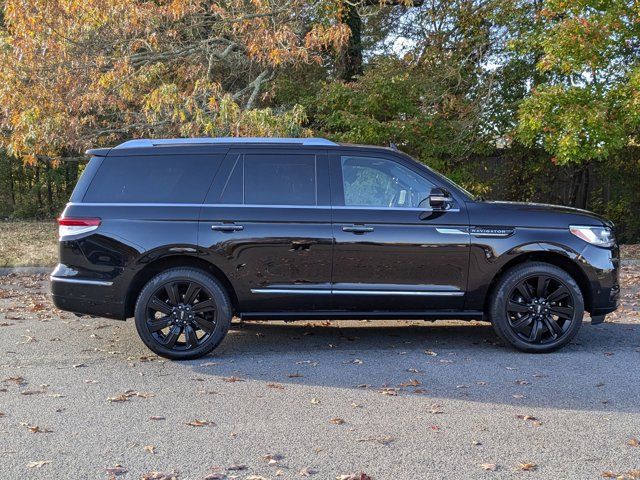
325, 272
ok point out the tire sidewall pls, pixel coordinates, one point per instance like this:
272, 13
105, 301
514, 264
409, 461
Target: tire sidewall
501, 294
223, 312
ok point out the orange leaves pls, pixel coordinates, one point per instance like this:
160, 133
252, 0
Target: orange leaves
80, 73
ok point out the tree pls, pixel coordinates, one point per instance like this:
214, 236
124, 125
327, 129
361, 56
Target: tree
78, 73
586, 106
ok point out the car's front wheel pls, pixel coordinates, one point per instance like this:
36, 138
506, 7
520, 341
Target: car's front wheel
182, 313
536, 307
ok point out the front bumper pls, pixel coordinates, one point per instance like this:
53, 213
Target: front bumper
602, 266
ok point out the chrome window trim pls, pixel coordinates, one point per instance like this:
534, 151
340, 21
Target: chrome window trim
237, 205
101, 283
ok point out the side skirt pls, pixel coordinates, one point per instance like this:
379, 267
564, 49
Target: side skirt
342, 315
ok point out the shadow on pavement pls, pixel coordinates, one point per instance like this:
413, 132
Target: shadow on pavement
459, 360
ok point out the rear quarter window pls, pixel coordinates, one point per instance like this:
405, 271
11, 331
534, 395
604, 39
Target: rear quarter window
153, 179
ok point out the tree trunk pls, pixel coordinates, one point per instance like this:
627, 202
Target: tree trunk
586, 175
49, 189
37, 187
350, 59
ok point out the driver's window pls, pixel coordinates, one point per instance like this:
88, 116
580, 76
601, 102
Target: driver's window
376, 182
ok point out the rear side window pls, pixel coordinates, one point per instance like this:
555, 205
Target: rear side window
272, 180
153, 179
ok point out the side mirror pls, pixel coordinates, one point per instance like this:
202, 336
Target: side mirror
440, 198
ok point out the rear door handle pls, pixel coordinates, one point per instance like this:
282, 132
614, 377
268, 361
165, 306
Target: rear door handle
227, 227
357, 229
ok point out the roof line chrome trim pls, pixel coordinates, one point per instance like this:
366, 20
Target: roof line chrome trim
101, 283
168, 142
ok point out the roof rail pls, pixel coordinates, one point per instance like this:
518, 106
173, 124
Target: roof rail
166, 142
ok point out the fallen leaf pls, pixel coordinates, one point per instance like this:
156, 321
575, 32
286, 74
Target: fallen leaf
275, 386
354, 476
528, 467
35, 428
123, 397
337, 421
150, 448
38, 463
431, 353
156, 417
530, 418
308, 471
315, 401
237, 468
117, 470
392, 392
272, 458
490, 467
411, 383
155, 475
216, 476
232, 379
634, 442
200, 423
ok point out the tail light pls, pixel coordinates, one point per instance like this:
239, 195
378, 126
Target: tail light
74, 226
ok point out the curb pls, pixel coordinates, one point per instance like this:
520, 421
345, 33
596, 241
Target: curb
25, 270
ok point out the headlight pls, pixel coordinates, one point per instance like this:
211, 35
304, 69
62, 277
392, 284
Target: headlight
600, 236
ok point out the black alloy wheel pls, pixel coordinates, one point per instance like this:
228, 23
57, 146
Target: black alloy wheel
540, 309
182, 313
536, 307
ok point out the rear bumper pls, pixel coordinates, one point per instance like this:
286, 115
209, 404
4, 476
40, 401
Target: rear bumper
75, 294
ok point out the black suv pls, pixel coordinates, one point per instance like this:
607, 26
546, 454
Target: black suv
184, 234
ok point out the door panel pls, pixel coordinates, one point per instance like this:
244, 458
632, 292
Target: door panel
277, 256
397, 258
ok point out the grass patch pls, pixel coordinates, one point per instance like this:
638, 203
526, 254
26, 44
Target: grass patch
35, 244
28, 244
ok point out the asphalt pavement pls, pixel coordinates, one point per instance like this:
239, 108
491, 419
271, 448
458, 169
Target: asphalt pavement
83, 398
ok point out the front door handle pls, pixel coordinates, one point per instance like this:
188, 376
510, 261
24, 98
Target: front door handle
357, 229
227, 227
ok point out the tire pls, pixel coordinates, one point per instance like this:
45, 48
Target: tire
191, 327
536, 307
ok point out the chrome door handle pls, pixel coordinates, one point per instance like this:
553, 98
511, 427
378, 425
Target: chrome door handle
357, 229
228, 227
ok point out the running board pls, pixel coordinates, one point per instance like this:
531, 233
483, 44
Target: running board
344, 315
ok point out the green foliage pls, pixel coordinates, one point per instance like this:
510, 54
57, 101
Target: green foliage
583, 104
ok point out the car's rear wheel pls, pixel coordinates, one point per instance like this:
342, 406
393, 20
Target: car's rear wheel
182, 313
536, 307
